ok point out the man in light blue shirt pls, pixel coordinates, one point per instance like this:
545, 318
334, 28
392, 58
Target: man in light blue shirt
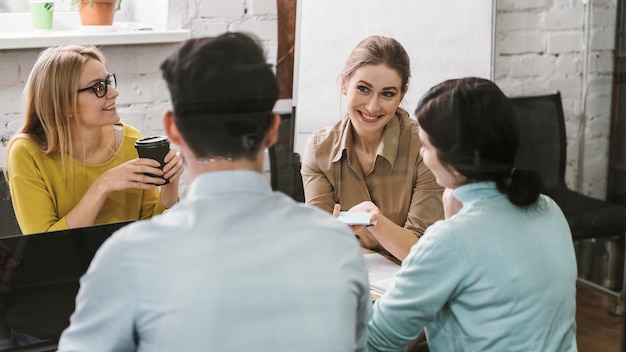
234, 266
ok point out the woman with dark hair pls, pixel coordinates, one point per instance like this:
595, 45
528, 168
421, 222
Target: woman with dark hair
499, 274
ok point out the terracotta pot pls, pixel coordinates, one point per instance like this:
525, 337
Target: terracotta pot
101, 14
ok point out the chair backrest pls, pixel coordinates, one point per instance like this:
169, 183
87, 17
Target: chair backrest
8, 222
284, 163
542, 144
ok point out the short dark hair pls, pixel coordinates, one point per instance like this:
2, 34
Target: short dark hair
223, 92
473, 127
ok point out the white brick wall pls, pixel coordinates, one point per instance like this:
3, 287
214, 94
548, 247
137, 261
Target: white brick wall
564, 19
221, 8
539, 48
143, 95
564, 42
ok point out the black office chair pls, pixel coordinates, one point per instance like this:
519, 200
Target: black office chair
543, 148
8, 222
285, 173
284, 163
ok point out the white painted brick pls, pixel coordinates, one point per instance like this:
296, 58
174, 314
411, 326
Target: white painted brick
518, 43
572, 127
221, 8
133, 118
520, 4
603, 39
605, 4
533, 65
502, 66
564, 19
567, 64
598, 128
596, 147
271, 52
178, 11
265, 30
570, 86
565, 42
208, 28
603, 18
565, 4
121, 61
570, 176
572, 149
509, 87
263, 7
10, 74
572, 110
571, 107
137, 88
517, 20
137, 59
601, 62
160, 92
153, 124
595, 187
11, 100
600, 90
600, 84
504, 5
18, 62
15, 123
536, 86
596, 159
9, 125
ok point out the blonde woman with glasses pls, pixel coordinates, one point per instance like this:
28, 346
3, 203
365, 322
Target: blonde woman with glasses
73, 162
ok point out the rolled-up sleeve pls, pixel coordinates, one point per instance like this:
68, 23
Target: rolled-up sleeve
427, 279
426, 205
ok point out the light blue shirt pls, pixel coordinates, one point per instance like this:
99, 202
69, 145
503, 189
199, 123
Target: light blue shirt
494, 277
233, 267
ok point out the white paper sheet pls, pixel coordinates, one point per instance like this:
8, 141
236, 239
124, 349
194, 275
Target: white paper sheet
380, 271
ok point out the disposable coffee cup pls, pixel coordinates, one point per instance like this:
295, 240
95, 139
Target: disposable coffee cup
155, 147
41, 12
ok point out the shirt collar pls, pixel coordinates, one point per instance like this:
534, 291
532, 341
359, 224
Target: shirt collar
476, 190
388, 148
229, 182
346, 141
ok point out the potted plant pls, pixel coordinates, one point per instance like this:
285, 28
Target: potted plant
97, 12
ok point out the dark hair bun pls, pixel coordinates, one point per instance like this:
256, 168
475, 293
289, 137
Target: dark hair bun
522, 187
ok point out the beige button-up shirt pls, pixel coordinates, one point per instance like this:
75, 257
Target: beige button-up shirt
400, 184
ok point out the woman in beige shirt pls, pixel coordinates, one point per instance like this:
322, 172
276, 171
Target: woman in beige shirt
371, 156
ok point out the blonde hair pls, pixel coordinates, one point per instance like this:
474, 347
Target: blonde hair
50, 97
376, 50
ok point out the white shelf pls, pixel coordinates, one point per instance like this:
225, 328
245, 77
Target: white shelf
35, 39
16, 33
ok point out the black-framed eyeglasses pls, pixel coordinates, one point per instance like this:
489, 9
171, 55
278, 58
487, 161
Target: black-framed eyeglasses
101, 87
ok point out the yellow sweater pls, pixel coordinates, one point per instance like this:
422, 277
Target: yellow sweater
42, 196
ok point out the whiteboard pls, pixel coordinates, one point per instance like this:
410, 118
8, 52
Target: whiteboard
444, 38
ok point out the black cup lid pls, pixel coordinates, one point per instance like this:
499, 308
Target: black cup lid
153, 140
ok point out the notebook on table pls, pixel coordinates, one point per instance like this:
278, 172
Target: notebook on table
39, 280
381, 271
